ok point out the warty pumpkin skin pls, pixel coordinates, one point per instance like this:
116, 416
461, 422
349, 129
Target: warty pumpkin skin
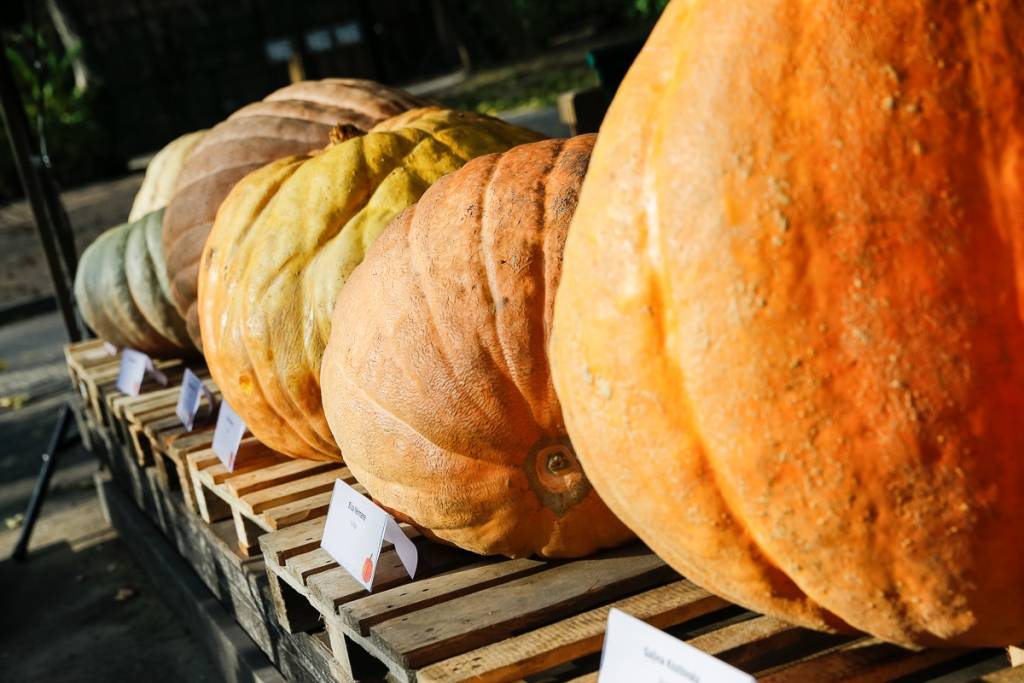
293, 120
435, 379
162, 175
122, 290
287, 238
789, 338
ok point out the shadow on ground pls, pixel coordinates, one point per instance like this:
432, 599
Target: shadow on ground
79, 609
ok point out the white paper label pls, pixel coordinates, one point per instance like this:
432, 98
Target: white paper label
356, 529
192, 391
134, 367
636, 651
227, 435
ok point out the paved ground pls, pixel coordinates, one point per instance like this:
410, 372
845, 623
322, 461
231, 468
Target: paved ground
79, 609
91, 209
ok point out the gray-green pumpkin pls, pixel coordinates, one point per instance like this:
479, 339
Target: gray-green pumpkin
123, 292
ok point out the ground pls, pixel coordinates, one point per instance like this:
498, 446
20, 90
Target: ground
79, 608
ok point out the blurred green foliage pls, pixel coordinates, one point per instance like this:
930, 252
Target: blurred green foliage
510, 89
67, 116
496, 32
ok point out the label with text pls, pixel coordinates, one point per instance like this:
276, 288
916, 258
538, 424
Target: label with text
355, 531
227, 435
135, 365
636, 651
192, 391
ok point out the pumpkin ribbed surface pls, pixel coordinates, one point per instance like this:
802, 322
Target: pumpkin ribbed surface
122, 290
789, 338
285, 241
293, 120
162, 175
435, 380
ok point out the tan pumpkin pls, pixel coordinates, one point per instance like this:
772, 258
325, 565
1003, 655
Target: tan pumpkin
789, 338
162, 175
285, 241
293, 120
122, 290
435, 380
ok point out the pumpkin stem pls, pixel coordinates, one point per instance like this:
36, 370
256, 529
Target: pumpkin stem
555, 475
557, 462
342, 132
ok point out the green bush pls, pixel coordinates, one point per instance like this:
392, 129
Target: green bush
74, 141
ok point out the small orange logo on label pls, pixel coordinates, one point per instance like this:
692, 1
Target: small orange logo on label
367, 570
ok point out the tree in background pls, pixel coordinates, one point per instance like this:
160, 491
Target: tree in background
61, 113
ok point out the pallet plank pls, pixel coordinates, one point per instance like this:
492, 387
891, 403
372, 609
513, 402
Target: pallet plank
1013, 675
281, 472
571, 638
473, 620
293, 512
278, 492
360, 614
865, 660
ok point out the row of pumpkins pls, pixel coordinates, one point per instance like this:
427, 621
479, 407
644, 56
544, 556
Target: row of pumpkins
788, 337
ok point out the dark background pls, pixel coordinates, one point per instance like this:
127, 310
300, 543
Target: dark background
107, 80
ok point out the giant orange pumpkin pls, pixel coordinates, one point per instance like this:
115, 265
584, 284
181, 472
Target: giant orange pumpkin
435, 379
293, 120
285, 241
789, 339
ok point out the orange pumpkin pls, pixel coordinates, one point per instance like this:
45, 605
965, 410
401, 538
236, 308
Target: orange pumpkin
789, 339
293, 120
435, 379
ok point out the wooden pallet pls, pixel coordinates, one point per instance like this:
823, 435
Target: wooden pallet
464, 617
472, 618
266, 491
84, 360
238, 582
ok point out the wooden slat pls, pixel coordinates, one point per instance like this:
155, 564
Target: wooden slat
301, 538
189, 442
572, 638
284, 471
336, 586
1014, 675
359, 615
447, 629
762, 642
866, 660
288, 514
278, 493
307, 564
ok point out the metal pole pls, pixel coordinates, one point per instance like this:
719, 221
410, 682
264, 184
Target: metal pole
35, 503
41, 195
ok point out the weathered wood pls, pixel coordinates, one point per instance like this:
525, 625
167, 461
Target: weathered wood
863, 660
1014, 675
261, 480
572, 638
763, 642
473, 620
360, 614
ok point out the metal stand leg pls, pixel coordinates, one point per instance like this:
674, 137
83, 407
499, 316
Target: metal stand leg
35, 503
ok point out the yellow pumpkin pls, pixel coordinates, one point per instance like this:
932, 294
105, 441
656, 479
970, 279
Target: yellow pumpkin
285, 240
